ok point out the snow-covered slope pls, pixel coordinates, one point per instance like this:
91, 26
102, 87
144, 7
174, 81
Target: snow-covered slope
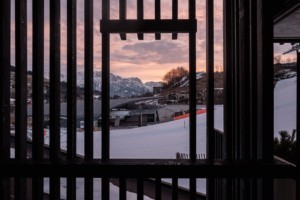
125, 87
113, 190
285, 105
157, 141
165, 139
185, 80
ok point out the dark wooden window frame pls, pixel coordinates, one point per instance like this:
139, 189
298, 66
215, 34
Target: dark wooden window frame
257, 43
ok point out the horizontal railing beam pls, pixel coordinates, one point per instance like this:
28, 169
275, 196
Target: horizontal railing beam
286, 39
148, 26
147, 168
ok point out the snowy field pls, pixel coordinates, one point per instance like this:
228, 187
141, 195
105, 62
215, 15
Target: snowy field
285, 106
165, 139
156, 141
114, 190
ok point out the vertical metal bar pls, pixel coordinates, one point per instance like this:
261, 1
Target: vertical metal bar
71, 92
236, 85
174, 16
192, 86
210, 78
122, 188
140, 9
105, 188
236, 139
122, 9
228, 74
54, 188
192, 102
54, 93
157, 188
38, 78
37, 92
157, 17
21, 79
298, 127
140, 15
5, 188
5, 92
253, 92
71, 75
105, 109
174, 188
5, 80
192, 9
122, 13
105, 84
244, 90
88, 188
140, 189
54, 80
192, 92
21, 91
71, 188
88, 80
37, 188
193, 188
265, 78
244, 79
265, 89
88, 92
210, 136
105, 95
253, 78
228, 87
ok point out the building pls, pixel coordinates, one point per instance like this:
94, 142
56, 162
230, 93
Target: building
126, 110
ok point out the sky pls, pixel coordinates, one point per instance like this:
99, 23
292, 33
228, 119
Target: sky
149, 59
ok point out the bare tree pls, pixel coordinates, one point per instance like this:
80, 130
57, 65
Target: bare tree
174, 75
277, 59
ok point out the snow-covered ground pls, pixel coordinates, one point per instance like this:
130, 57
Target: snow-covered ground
165, 139
285, 105
114, 190
157, 141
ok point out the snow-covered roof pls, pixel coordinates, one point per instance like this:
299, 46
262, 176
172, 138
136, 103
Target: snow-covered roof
287, 25
114, 103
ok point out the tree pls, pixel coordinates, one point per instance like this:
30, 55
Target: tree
174, 76
277, 59
285, 146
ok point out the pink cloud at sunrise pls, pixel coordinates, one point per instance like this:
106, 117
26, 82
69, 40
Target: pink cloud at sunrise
149, 59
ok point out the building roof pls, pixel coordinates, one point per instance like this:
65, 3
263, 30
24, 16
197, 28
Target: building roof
114, 103
287, 21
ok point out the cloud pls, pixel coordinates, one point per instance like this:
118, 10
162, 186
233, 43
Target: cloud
144, 57
160, 52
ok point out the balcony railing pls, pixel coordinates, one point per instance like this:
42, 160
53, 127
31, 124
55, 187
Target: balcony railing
238, 163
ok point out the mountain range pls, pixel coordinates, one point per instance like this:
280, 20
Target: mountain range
119, 86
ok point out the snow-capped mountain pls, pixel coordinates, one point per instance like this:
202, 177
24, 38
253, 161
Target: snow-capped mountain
124, 87
151, 84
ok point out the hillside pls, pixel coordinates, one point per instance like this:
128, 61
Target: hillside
182, 87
